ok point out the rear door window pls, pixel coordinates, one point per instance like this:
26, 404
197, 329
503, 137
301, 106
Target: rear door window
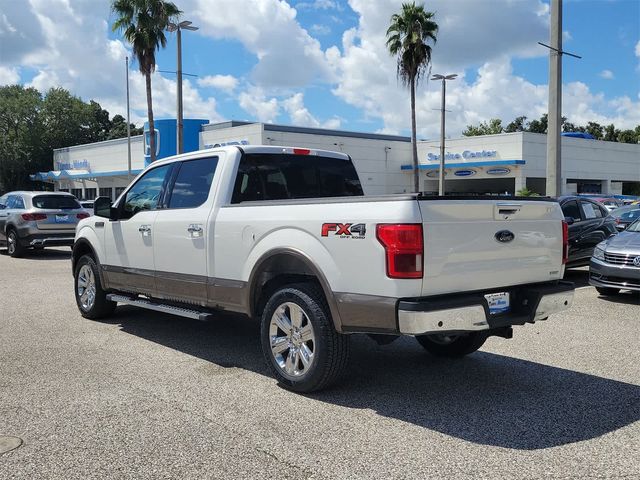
193, 183
570, 209
590, 210
55, 202
284, 176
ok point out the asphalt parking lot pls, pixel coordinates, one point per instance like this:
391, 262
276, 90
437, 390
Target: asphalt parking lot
147, 395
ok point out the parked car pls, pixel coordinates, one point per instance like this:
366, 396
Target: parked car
87, 204
609, 203
615, 264
589, 224
286, 235
38, 220
625, 216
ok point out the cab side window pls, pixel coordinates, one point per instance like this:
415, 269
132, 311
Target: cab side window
570, 209
193, 183
146, 192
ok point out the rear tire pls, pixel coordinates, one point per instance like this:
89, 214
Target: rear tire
452, 346
299, 341
14, 248
607, 292
91, 298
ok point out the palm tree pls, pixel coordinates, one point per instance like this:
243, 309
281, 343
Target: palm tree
143, 23
407, 38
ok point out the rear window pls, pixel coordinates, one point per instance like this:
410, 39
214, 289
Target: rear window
56, 202
283, 176
630, 216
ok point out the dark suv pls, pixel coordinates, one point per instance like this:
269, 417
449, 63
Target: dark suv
589, 224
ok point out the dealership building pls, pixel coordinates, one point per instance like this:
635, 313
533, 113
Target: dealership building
491, 164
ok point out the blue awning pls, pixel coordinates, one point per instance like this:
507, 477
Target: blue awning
490, 163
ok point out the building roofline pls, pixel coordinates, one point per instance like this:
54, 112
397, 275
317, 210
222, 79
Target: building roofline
113, 141
274, 127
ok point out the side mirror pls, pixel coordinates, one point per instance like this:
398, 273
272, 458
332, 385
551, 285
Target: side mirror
569, 220
102, 208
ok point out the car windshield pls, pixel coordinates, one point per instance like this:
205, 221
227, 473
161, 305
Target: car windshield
55, 202
634, 227
619, 212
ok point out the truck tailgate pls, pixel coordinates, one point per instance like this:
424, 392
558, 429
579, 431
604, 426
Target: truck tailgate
485, 244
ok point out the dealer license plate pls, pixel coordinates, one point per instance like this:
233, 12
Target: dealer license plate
62, 218
498, 302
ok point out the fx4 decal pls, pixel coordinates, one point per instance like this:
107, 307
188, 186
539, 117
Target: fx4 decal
344, 230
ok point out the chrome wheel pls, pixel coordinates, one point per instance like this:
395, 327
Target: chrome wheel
292, 340
11, 243
86, 288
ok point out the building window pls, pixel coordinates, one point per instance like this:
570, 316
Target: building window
65, 190
119, 190
106, 192
76, 192
89, 193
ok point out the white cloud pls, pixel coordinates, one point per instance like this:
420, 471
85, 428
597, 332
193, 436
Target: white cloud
637, 49
320, 29
9, 76
321, 5
287, 55
255, 102
606, 74
299, 115
222, 82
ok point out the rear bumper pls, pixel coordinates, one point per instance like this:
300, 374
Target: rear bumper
48, 240
469, 312
613, 276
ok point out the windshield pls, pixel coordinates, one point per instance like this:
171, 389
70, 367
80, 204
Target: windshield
618, 212
634, 227
55, 202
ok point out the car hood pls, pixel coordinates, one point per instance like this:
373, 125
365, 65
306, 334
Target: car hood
625, 242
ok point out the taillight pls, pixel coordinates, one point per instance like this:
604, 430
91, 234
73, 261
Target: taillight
32, 217
301, 151
82, 215
404, 249
565, 242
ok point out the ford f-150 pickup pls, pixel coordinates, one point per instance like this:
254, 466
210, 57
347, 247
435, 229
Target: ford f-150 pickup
287, 236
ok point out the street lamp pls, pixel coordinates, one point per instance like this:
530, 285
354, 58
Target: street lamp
173, 27
444, 78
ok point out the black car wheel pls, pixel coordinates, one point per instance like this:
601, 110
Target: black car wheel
452, 346
14, 248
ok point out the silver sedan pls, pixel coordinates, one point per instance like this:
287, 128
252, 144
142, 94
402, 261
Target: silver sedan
615, 264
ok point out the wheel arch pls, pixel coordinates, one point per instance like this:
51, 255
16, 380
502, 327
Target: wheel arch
283, 266
81, 247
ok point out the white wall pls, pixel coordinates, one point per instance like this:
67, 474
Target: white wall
106, 156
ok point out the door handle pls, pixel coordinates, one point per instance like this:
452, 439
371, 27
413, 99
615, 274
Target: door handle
145, 230
195, 230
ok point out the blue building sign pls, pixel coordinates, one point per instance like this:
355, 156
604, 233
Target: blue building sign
166, 142
432, 157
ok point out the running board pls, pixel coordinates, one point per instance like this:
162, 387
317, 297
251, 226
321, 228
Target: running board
160, 307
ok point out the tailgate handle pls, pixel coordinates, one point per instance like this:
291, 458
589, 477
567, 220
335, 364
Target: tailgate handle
508, 208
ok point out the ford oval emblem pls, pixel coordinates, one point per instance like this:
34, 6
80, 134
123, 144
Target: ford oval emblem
504, 236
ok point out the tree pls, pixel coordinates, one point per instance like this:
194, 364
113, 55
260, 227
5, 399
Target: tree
538, 126
517, 125
143, 23
407, 38
119, 128
492, 128
595, 130
627, 136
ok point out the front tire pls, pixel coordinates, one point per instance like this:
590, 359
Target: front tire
607, 292
14, 247
299, 341
452, 346
91, 298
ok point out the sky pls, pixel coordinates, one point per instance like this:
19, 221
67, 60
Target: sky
323, 63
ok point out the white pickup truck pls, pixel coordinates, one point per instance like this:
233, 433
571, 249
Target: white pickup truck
286, 236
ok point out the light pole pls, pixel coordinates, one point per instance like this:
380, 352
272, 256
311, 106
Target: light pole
173, 27
444, 79
128, 126
554, 117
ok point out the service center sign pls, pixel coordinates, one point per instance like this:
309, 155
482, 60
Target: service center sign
467, 154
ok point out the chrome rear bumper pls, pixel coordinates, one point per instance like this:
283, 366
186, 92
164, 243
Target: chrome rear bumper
470, 313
